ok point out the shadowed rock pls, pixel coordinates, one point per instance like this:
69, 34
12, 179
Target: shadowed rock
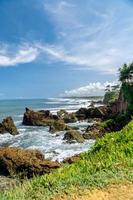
102, 112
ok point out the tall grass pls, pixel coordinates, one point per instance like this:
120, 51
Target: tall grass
109, 161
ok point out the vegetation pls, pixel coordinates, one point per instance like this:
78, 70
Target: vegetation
109, 161
126, 78
111, 96
116, 123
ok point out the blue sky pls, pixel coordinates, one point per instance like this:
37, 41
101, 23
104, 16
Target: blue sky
71, 47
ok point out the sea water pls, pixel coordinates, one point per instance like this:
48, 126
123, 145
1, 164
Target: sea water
30, 137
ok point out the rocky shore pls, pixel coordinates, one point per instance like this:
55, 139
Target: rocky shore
16, 162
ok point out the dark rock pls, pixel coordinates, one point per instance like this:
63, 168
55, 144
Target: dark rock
73, 136
8, 126
25, 163
82, 114
93, 112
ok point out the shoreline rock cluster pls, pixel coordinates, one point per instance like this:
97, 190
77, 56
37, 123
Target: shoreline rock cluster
27, 163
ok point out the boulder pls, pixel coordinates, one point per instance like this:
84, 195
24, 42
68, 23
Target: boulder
98, 112
73, 136
94, 131
8, 126
67, 117
57, 126
43, 118
25, 163
38, 118
82, 114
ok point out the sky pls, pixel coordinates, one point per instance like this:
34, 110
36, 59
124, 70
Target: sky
50, 48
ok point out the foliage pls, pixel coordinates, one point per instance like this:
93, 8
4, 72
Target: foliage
126, 73
110, 97
109, 161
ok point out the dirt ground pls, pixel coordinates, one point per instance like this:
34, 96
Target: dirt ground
113, 192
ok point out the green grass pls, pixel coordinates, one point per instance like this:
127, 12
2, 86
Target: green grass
109, 161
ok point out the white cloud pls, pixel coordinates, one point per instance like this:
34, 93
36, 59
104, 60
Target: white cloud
92, 89
24, 54
89, 35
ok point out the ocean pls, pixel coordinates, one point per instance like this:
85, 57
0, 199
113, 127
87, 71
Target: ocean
52, 146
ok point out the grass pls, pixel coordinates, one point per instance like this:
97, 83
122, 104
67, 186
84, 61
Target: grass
109, 161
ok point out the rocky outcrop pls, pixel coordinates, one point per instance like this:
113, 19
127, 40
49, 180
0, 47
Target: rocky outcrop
94, 131
120, 105
67, 117
39, 118
73, 136
93, 112
25, 163
43, 118
8, 126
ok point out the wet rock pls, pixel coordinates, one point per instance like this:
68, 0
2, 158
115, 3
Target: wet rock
8, 126
73, 136
25, 163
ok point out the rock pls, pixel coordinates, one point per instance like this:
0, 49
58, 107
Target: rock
57, 126
82, 114
8, 126
98, 112
72, 159
94, 131
67, 117
61, 113
25, 163
43, 118
39, 118
73, 136
93, 112
69, 128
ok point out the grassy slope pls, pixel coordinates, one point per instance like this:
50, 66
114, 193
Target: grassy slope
109, 161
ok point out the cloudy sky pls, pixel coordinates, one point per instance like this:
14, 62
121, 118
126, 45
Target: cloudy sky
71, 47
